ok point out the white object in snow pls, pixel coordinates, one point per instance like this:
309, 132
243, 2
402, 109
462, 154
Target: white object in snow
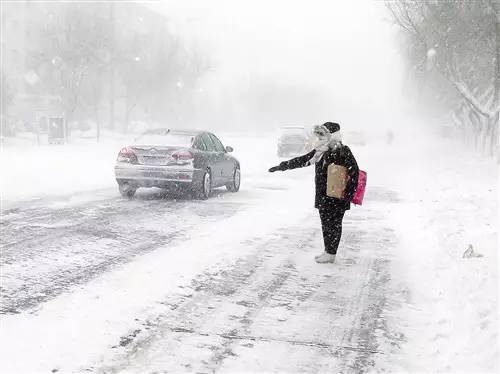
469, 253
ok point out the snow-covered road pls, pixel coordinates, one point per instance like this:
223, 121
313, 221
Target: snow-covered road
92, 282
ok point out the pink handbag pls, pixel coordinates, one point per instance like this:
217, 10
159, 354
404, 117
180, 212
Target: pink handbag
360, 191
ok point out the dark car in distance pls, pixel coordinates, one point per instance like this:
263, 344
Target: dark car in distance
189, 160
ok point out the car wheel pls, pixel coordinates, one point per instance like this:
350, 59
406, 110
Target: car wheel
126, 190
205, 188
234, 186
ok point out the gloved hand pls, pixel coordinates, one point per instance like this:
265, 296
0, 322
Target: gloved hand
274, 168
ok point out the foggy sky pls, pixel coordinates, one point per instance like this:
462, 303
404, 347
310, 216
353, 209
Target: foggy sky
343, 48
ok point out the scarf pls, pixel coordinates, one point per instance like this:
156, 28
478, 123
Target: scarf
325, 142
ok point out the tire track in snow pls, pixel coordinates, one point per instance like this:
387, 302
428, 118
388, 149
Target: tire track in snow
46, 251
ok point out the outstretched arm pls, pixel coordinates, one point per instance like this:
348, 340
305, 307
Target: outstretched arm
294, 163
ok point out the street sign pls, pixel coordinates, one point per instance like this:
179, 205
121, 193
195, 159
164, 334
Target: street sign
56, 130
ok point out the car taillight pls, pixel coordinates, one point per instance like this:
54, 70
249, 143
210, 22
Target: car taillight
182, 156
127, 154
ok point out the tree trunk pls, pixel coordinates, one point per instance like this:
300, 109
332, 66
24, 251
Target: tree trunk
68, 116
129, 107
111, 71
493, 139
496, 102
96, 118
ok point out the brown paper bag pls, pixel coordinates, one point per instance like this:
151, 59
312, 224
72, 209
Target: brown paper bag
336, 181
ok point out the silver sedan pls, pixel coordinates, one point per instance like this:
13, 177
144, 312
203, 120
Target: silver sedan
189, 160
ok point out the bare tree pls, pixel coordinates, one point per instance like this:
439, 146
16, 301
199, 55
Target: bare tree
6, 99
75, 47
77, 54
459, 41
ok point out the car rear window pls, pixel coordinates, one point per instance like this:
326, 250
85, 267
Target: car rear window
293, 135
184, 140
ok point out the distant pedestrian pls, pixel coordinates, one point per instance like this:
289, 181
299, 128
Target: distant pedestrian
389, 137
328, 150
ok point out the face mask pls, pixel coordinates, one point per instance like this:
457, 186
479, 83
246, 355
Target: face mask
322, 142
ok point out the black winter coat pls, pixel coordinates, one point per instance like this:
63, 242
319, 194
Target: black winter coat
339, 156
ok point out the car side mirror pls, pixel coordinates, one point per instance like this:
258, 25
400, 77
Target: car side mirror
229, 149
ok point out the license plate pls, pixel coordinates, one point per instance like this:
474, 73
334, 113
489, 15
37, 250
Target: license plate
154, 161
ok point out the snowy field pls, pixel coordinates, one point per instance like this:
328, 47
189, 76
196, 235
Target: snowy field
92, 282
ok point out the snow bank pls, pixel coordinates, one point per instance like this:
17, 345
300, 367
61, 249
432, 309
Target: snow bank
30, 171
448, 199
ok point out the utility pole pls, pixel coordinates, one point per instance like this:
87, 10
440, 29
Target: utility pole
111, 65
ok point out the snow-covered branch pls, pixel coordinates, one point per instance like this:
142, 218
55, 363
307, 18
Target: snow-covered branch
457, 38
470, 98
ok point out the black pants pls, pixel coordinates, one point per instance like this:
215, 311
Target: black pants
331, 224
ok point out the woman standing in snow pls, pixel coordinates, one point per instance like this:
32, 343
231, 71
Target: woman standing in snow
328, 150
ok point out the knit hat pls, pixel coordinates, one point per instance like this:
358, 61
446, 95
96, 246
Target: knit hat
332, 126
